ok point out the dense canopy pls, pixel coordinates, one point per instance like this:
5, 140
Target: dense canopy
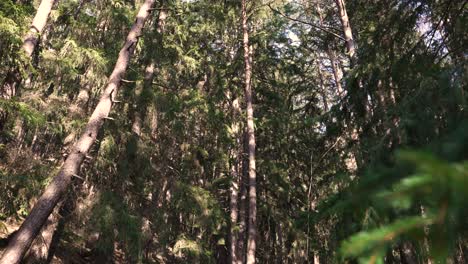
233, 131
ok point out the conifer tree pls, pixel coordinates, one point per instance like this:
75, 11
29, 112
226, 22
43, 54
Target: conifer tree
252, 183
167, 179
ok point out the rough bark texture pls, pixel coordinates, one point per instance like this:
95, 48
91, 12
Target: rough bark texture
59, 185
39, 250
348, 33
252, 228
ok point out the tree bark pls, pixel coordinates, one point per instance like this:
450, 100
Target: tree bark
233, 206
39, 250
140, 114
323, 88
13, 79
37, 26
252, 189
347, 31
58, 186
243, 203
337, 73
236, 154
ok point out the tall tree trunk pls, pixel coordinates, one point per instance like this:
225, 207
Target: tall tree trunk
352, 163
252, 224
243, 203
58, 186
337, 73
30, 40
236, 155
142, 92
347, 31
233, 206
323, 91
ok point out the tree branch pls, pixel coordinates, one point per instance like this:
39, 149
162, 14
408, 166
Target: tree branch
307, 23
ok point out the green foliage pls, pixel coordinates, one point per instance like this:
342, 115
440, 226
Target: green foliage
31, 116
201, 205
438, 187
116, 224
164, 193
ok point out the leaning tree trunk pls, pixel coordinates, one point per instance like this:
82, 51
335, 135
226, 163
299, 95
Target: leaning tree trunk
37, 26
30, 40
252, 189
55, 190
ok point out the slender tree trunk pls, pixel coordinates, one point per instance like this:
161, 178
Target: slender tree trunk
139, 114
323, 91
347, 31
30, 40
252, 226
142, 92
337, 73
352, 163
243, 207
59, 185
233, 206
236, 181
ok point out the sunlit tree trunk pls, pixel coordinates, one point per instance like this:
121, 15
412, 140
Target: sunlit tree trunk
243, 201
58, 186
235, 156
30, 40
337, 72
252, 188
37, 26
233, 206
347, 30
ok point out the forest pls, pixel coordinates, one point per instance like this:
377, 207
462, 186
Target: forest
234, 131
